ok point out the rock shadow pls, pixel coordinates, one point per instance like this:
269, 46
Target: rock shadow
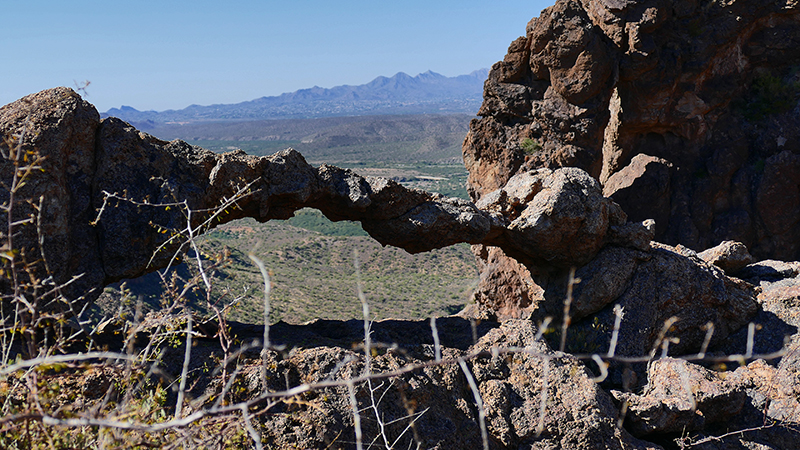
454, 332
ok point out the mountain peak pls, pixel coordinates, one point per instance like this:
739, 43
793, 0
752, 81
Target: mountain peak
430, 76
426, 93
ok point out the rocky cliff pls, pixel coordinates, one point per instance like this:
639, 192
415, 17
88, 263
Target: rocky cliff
686, 112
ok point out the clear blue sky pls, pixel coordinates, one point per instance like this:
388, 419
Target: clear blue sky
169, 54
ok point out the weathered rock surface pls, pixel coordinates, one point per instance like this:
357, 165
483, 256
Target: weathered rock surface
548, 220
643, 187
706, 93
558, 218
779, 312
680, 397
729, 256
652, 288
62, 128
685, 112
126, 202
578, 413
564, 214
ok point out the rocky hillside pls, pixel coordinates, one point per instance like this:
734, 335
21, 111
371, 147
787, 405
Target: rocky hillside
686, 113
110, 208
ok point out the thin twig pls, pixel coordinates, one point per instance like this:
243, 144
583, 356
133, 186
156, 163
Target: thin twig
478, 402
185, 371
437, 349
351, 390
266, 343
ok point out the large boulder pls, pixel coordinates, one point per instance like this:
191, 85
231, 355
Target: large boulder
556, 218
680, 397
664, 285
46, 175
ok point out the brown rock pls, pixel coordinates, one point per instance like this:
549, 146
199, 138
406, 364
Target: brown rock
729, 256
680, 397
651, 287
644, 187
506, 289
59, 127
785, 387
578, 413
706, 92
660, 102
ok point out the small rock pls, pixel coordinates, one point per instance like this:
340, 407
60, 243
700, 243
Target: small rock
729, 256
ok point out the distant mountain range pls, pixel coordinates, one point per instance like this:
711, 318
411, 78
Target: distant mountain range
426, 93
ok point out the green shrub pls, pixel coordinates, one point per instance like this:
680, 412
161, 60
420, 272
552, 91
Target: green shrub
768, 95
530, 146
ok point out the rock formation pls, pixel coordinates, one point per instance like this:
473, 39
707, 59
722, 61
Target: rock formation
116, 203
685, 112
705, 92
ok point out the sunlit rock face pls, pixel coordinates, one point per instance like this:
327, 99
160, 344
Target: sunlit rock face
685, 112
706, 91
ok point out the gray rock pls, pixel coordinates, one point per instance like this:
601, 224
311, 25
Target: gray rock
565, 224
769, 270
554, 218
578, 414
652, 287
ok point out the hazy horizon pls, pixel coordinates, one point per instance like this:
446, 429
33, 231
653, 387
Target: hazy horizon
153, 55
297, 90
